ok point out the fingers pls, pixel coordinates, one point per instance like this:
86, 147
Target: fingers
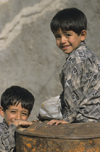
25, 123
50, 122
35, 121
22, 122
56, 122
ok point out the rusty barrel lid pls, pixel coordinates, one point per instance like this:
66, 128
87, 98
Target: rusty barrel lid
65, 131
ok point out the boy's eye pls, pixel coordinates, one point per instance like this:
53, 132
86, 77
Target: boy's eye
68, 35
57, 36
13, 111
26, 114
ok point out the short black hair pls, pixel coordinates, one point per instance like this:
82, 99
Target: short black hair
69, 19
15, 95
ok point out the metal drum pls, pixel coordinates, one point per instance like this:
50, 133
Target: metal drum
76, 137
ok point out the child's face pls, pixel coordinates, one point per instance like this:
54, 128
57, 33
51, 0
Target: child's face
68, 41
15, 112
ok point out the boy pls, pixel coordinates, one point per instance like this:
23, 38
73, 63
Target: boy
80, 75
16, 106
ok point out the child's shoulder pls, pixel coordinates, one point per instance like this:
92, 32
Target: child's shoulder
83, 53
2, 127
82, 56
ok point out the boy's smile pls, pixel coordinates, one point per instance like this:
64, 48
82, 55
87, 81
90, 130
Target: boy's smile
15, 112
68, 41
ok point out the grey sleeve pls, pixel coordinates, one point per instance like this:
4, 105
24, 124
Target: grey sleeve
7, 139
73, 93
82, 87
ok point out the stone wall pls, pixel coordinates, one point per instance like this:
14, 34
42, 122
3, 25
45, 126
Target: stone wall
29, 56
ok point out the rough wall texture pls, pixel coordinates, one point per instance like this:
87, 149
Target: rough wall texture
29, 56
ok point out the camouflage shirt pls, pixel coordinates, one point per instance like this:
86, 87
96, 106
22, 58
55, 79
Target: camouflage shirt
80, 79
7, 139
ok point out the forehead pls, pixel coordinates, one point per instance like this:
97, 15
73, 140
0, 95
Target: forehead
17, 107
60, 31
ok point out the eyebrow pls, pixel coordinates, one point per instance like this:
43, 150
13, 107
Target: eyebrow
17, 109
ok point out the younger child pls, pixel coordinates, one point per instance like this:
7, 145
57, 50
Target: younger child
80, 75
16, 106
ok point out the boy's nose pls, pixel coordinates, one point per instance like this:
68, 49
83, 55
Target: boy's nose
18, 116
63, 39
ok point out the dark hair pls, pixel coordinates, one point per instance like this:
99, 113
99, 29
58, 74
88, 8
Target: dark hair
16, 94
69, 19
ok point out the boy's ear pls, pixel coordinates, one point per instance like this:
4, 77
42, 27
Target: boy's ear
83, 35
1, 111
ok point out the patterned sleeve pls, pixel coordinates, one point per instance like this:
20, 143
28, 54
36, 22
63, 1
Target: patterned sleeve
7, 139
80, 79
72, 92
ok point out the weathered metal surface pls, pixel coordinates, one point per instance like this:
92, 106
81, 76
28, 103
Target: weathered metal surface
40, 137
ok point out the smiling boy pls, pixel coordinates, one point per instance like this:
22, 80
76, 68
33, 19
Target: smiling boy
80, 75
16, 106
68, 41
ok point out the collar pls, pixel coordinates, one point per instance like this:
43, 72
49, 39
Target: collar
81, 44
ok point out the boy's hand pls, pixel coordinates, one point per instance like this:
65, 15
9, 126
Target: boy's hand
56, 122
22, 122
35, 120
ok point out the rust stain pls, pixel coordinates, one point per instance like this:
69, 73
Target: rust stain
29, 145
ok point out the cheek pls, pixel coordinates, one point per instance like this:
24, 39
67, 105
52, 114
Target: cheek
9, 116
57, 43
24, 117
72, 40
74, 43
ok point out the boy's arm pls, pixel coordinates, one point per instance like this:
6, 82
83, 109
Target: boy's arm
22, 122
7, 139
81, 87
73, 93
